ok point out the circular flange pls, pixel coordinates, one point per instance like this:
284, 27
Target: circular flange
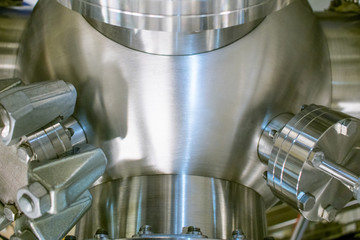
177, 15
291, 175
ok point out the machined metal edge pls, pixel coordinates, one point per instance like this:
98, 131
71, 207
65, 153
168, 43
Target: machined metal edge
171, 203
174, 43
298, 183
175, 16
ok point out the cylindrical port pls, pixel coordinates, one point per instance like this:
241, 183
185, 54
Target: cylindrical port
52, 141
270, 134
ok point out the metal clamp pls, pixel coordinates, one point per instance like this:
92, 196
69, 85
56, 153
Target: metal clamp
55, 185
25, 109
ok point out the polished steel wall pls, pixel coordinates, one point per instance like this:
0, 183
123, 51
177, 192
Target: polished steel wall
12, 24
342, 31
171, 202
200, 114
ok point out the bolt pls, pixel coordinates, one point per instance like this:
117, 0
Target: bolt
306, 201
145, 230
238, 234
346, 127
25, 153
10, 212
4, 122
317, 158
194, 230
101, 234
329, 213
34, 200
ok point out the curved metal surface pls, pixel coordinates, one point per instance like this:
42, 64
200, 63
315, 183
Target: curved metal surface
171, 202
12, 24
175, 16
343, 35
13, 171
199, 115
174, 43
290, 173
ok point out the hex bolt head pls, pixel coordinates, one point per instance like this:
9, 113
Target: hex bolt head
317, 158
194, 230
10, 212
238, 234
145, 230
101, 234
306, 201
329, 213
34, 200
25, 153
346, 127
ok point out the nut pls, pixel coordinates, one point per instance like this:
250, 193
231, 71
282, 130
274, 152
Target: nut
25, 153
10, 212
346, 127
306, 201
329, 213
101, 234
194, 230
238, 234
145, 229
34, 200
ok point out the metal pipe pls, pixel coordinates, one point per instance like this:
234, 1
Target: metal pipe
345, 176
342, 174
300, 229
